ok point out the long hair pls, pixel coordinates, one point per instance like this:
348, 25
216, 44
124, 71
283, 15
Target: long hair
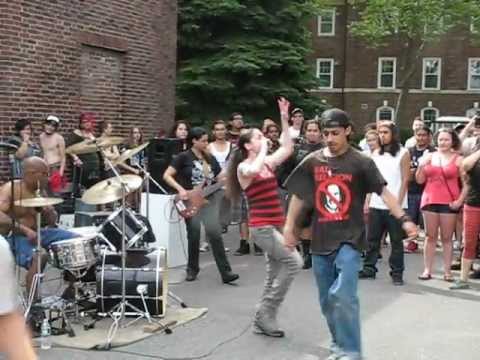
233, 189
130, 137
21, 124
173, 130
394, 147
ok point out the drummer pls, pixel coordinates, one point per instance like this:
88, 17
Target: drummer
23, 242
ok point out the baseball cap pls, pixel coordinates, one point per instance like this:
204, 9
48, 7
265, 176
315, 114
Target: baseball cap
297, 111
335, 118
53, 118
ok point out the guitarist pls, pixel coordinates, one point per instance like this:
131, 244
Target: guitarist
191, 169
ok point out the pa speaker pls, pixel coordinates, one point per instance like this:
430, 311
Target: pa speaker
160, 155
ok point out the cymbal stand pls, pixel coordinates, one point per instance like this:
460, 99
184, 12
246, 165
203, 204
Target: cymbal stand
37, 278
149, 178
119, 311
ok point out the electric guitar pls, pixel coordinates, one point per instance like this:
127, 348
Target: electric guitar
197, 198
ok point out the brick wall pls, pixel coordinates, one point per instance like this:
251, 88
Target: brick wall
356, 67
116, 58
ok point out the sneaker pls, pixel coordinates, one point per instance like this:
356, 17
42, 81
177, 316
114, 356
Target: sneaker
258, 251
366, 274
460, 285
397, 281
243, 249
204, 247
229, 277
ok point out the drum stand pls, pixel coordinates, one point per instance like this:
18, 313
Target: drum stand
119, 311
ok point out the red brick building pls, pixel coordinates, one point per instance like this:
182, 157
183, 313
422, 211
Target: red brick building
116, 58
363, 80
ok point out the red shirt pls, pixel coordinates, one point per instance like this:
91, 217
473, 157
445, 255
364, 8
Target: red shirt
442, 184
265, 206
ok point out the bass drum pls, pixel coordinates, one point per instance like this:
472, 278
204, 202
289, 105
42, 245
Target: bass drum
142, 268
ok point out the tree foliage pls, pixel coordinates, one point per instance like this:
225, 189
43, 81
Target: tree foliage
239, 55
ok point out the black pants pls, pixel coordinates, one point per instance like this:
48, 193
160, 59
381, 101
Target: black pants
380, 221
208, 216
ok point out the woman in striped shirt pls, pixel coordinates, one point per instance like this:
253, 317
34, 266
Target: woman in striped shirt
251, 170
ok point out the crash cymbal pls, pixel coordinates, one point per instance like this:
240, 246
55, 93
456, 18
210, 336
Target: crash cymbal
128, 154
38, 202
110, 190
89, 146
83, 147
107, 141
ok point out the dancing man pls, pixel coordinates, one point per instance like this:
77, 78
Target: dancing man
339, 178
251, 170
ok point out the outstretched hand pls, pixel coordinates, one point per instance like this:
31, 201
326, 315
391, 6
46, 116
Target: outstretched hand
283, 106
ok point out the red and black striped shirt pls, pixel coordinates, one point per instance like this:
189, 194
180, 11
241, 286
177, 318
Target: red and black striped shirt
265, 206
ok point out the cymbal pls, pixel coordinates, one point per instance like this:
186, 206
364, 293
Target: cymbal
38, 202
106, 141
89, 145
110, 190
83, 147
127, 154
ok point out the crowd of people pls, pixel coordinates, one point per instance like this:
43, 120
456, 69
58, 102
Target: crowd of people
364, 195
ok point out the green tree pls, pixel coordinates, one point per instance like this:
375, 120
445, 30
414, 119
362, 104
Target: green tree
239, 55
412, 23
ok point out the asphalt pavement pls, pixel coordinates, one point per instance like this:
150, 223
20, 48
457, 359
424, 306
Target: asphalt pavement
422, 320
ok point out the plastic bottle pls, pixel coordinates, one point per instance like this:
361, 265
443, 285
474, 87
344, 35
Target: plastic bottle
45, 339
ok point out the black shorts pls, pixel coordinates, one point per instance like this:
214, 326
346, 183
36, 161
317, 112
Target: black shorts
439, 209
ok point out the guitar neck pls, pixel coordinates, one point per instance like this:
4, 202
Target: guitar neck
209, 190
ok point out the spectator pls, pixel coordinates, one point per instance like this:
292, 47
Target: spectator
25, 144
417, 124
296, 122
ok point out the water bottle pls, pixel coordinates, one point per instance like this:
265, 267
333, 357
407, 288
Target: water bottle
45, 340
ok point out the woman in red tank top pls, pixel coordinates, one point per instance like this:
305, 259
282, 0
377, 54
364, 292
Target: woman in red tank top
441, 199
251, 170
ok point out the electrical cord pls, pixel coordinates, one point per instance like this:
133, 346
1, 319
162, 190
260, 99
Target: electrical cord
159, 357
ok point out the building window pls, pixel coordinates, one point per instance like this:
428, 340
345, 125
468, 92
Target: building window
432, 70
385, 113
325, 73
326, 23
429, 114
474, 74
387, 68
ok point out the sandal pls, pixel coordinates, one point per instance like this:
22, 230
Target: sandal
425, 277
448, 278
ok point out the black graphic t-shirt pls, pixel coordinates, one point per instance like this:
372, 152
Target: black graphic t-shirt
415, 155
335, 188
191, 171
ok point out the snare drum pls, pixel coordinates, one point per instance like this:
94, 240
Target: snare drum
112, 228
73, 254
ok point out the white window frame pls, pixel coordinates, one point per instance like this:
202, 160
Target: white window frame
332, 71
439, 83
379, 109
333, 13
379, 73
422, 112
469, 86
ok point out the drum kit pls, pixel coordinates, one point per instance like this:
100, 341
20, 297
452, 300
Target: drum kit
130, 279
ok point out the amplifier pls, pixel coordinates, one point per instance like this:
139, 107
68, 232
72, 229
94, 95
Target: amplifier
95, 218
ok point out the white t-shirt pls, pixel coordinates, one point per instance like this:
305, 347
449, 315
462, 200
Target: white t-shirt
294, 133
8, 286
411, 142
391, 171
220, 156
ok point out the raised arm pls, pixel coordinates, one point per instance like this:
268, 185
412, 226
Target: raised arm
286, 148
470, 161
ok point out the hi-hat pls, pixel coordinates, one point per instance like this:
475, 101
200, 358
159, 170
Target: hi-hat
110, 190
128, 154
90, 146
38, 201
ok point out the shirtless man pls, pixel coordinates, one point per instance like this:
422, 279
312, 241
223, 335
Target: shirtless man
24, 240
53, 145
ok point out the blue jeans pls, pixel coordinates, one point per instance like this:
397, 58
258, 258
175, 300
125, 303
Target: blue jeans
23, 249
337, 279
